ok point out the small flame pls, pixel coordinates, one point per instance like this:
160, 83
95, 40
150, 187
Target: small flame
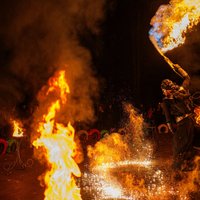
197, 114
171, 23
18, 130
60, 147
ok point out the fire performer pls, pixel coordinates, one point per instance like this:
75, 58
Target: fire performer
178, 111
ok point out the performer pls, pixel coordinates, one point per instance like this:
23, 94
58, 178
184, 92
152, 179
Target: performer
178, 111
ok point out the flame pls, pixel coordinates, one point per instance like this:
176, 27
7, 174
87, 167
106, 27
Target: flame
171, 23
18, 130
60, 147
58, 83
197, 114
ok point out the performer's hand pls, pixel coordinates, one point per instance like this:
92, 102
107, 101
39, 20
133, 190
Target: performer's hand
176, 66
170, 127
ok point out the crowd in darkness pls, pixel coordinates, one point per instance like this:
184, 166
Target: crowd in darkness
112, 115
153, 115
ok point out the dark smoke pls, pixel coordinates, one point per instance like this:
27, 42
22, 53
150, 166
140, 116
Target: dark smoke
39, 37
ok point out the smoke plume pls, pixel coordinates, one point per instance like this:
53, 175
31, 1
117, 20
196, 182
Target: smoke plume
40, 37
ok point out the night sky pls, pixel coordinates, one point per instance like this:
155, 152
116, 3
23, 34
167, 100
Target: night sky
100, 41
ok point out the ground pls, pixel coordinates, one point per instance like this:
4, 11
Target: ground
23, 184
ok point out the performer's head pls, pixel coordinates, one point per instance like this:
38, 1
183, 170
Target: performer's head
168, 87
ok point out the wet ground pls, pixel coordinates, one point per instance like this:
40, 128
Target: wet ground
21, 182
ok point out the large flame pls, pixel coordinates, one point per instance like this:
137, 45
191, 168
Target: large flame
171, 23
58, 142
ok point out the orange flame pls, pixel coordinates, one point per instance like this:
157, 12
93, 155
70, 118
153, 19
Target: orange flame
171, 23
59, 83
197, 114
18, 130
59, 145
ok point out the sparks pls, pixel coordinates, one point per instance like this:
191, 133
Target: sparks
126, 163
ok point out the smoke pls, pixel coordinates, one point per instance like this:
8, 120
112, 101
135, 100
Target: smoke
39, 37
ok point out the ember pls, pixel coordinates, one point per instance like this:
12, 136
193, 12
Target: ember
18, 131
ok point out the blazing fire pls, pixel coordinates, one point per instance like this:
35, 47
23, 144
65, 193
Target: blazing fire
60, 148
171, 23
18, 130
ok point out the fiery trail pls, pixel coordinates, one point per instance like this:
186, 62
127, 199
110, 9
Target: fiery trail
59, 147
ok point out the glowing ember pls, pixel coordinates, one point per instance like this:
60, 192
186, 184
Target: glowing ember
18, 130
59, 147
197, 114
171, 23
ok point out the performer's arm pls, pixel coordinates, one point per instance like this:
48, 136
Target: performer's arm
183, 74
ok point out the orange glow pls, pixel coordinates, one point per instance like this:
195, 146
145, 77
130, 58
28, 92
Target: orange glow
18, 130
59, 83
197, 114
59, 146
171, 23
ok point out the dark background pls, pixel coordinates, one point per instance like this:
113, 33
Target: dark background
124, 61
129, 62
132, 67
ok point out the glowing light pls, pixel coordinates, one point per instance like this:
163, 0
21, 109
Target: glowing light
59, 148
171, 23
197, 114
126, 163
18, 130
58, 83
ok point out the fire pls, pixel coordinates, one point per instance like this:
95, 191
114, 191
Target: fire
58, 83
18, 130
171, 23
197, 114
60, 148
170, 26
